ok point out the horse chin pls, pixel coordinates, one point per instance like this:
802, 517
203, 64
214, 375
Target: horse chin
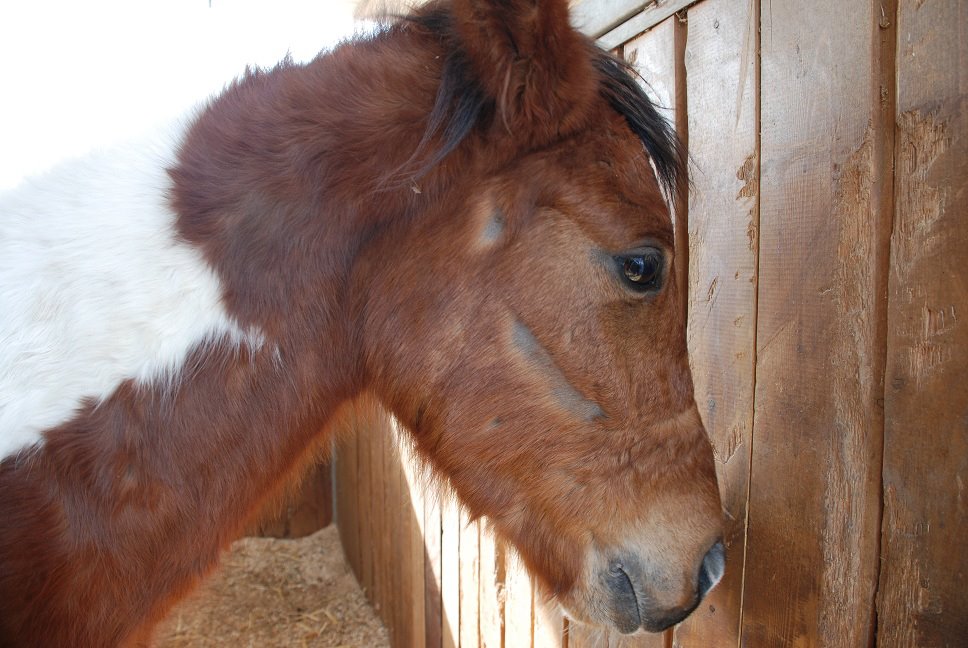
599, 609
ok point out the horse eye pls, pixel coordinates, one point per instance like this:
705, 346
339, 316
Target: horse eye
642, 271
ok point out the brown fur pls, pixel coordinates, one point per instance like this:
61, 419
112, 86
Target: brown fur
359, 285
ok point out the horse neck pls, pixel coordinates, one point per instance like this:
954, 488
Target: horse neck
178, 461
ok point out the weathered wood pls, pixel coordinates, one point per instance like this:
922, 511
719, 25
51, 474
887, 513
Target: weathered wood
548, 623
470, 635
653, 56
378, 509
450, 572
346, 496
641, 641
518, 605
595, 17
721, 75
922, 600
680, 201
368, 541
433, 611
403, 520
491, 597
812, 551
653, 14
416, 599
305, 510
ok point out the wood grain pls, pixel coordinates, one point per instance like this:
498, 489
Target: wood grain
518, 605
595, 17
368, 541
382, 493
922, 600
491, 596
721, 76
812, 550
346, 492
651, 15
306, 510
548, 623
415, 601
450, 571
470, 634
433, 612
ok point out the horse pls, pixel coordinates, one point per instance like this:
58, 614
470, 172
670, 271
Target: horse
464, 214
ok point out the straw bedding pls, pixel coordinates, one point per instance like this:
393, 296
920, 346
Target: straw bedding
271, 592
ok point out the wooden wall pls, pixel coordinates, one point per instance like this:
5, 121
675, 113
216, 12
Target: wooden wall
827, 231
300, 512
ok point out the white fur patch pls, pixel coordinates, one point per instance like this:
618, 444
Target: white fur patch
95, 288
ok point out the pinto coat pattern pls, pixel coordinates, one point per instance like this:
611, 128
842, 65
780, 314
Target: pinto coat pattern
459, 216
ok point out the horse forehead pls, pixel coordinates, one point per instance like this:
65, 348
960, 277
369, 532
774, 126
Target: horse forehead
605, 163
614, 201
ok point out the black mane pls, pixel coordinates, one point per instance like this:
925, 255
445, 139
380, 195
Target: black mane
658, 135
461, 104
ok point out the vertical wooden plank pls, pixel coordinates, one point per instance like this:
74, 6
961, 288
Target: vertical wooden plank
396, 502
313, 508
416, 561
922, 600
518, 605
470, 635
812, 551
347, 487
721, 64
403, 556
680, 117
368, 539
655, 55
450, 571
491, 595
305, 510
433, 609
375, 510
386, 498
548, 623
640, 641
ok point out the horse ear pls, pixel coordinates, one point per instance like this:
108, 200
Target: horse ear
530, 60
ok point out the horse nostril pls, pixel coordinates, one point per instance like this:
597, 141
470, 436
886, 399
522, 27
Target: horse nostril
711, 571
624, 606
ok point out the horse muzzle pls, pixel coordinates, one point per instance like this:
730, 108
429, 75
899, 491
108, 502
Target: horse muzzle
632, 600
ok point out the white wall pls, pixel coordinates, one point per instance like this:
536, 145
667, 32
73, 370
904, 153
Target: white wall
77, 74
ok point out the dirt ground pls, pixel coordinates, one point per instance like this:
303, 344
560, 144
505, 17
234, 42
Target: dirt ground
271, 593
